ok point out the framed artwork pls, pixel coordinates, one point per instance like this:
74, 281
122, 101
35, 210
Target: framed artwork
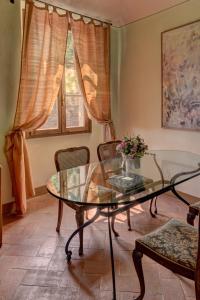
181, 77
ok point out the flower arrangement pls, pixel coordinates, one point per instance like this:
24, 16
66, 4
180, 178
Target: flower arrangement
132, 146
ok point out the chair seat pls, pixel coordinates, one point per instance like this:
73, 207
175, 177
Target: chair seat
196, 205
176, 241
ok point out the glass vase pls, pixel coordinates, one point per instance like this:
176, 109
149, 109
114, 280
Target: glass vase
124, 161
132, 163
136, 162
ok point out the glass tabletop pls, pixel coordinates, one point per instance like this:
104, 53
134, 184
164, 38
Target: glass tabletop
119, 181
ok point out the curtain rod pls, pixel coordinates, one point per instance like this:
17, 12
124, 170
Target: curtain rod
70, 11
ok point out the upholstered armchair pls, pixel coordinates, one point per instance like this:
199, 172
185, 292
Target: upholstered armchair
175, 245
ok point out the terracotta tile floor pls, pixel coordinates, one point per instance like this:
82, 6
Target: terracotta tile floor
33, 263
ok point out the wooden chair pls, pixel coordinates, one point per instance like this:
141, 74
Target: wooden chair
66, 159
106, 151
176, 246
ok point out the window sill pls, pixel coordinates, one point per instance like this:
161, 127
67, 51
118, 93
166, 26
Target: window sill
52, 134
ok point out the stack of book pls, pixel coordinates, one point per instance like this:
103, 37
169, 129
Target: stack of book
128, 183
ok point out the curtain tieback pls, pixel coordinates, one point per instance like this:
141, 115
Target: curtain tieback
13, 131
10, 138
109, 131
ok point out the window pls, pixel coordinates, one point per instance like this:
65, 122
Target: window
68, 114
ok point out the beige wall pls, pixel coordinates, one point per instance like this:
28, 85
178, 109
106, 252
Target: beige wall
41, 150
115, 73
140, 90
10, 45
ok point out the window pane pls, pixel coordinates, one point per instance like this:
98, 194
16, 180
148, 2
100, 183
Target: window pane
75, 116
75, 113
71, 81
52, 121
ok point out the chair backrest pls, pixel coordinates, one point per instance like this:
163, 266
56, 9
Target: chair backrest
71, 158
108, 150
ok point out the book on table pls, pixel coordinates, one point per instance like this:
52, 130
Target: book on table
129, 182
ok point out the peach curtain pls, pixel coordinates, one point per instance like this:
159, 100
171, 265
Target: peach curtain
43, 52
92, 52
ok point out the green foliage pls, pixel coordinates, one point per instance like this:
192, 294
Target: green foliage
71, 82
69, 57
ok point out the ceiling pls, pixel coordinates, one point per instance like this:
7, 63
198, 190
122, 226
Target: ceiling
117, 12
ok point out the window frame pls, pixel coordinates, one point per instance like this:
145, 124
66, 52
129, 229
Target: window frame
72, 130
62, 129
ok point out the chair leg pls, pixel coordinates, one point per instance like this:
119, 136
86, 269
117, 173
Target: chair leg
80, 222
155, 206
191, 216
113, 227
150, 207
129, 219
86, 215
60, 214
137, 259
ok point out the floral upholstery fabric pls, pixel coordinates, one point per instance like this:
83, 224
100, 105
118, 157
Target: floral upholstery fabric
196, 205
176, 241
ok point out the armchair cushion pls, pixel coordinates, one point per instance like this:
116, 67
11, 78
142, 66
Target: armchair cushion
176, 241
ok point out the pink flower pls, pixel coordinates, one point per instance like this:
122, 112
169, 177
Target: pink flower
132, 146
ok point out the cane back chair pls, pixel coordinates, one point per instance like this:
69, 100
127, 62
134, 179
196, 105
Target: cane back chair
176, 246
67, 159
106, 151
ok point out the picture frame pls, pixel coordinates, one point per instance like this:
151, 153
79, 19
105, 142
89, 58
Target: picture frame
180, 60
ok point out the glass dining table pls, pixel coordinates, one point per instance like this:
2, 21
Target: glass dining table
114, 186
